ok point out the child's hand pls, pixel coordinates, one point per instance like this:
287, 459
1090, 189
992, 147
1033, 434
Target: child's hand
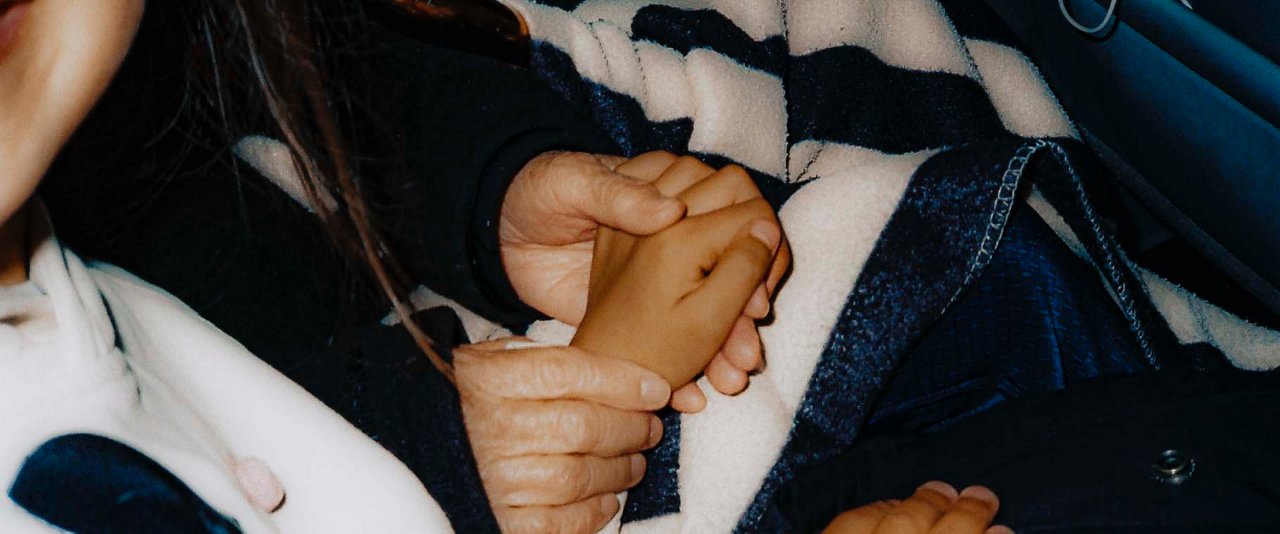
935, 508
670, 300
742, 352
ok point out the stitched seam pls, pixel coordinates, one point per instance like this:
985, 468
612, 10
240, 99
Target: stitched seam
1107, 249
1001, 207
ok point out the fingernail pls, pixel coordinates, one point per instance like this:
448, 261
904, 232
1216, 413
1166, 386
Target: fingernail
655, 392
259, 483
1000, 529
980, 493
655, 431
637, 467
940, 487
766, 233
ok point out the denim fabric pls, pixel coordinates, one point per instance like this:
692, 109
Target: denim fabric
1036, 320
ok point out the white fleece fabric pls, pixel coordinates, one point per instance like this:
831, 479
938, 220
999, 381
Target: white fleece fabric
740, 113
187, 396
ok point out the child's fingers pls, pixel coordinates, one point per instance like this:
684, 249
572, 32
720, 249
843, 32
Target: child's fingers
742, 349
860, 520
711, 233
758, 306
972, 513
648, 166
725, 291
726, 378
918, 513
726, 187
682, 174
781, 262
688, 399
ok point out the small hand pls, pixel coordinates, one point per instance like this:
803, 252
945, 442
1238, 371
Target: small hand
703, 189
935, 508
556, 432
670, 300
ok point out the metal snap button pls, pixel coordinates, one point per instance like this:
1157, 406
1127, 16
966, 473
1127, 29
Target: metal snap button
1173, 467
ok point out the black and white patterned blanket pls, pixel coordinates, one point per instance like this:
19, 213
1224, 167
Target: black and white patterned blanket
894, 136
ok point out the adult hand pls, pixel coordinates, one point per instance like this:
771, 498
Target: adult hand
935, 508
556, 432
549, 218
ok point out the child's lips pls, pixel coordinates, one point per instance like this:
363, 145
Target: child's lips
12, 14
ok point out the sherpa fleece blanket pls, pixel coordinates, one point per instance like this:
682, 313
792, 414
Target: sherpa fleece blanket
894, 137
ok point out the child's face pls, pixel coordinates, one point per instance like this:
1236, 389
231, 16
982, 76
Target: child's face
56, 58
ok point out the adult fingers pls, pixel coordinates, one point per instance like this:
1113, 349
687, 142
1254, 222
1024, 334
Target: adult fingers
918, 513
518, 428
688, 399
547, 373
558, 479
726, 187
648, 166
583, 517
972, 513
622, 202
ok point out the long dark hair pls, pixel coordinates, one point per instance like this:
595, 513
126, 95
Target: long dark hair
205, 73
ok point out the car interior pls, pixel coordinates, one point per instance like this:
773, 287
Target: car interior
1176, 97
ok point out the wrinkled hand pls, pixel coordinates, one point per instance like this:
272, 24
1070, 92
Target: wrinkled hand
556, 432
935, 508
549, 219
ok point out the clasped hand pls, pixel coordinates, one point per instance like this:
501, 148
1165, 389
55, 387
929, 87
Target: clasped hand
557, 431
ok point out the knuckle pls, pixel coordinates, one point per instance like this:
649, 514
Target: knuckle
899, 521
580, 426
661, 155
693, 164
753, 256
525, 522
972, 508
570, 478
555, 374
759, 208
738, 175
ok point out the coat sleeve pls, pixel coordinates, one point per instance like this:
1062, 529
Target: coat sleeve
467, 126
